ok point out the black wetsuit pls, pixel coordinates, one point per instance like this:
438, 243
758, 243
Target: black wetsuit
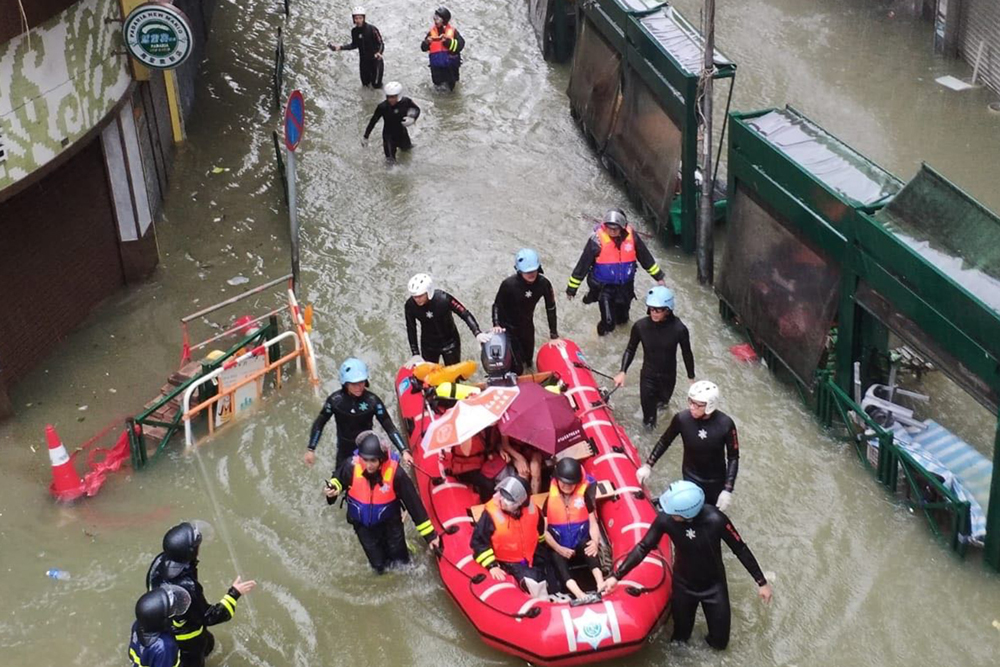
384, 543
191, 629
711, 451
658, 376
445, 65
699, 574
352, 416
613, 300
514, 310
394, 134
438, 333
368, 41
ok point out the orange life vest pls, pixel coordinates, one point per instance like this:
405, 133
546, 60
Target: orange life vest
367, 505
474, 460
438, 45
615, 265
568, 522
514, 538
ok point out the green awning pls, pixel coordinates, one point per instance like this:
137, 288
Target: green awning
683, 41
951, 230
861, 182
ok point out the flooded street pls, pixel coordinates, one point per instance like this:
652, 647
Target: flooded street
497, 166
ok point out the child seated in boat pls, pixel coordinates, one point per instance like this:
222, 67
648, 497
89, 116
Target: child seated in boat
526, 459
507, 536
571, 528
477, 462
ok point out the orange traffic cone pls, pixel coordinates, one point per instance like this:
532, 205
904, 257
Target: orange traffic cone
66, 484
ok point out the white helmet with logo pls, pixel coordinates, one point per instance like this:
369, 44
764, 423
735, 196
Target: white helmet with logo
705, 392
421, 284
358, 11
393, 88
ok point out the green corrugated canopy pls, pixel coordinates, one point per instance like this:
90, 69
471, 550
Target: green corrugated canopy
949, 229
848, 173
682, 41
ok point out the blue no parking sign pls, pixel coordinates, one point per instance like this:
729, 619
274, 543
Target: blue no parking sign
294, 120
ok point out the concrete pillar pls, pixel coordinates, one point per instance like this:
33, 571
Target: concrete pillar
946, 27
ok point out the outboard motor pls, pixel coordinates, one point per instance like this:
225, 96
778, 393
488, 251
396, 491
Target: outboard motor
497, 360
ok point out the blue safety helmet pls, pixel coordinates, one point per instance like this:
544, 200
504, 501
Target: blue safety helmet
353, 370
685, 499
660, 297
526, 261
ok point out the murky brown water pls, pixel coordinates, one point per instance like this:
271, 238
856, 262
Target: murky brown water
497, 166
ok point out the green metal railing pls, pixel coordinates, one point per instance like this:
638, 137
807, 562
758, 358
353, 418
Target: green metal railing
134, 426
939, 505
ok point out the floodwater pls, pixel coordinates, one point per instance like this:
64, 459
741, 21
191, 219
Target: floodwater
499, 165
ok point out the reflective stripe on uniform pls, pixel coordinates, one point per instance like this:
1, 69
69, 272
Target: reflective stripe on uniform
335, 483
189, 635
575, 282
653, 270
486, 558
135, 656
426, 528
229, 602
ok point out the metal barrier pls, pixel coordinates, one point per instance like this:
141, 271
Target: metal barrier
162, 418
923, 490
188, 412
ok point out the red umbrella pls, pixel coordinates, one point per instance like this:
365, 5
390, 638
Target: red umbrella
542, 419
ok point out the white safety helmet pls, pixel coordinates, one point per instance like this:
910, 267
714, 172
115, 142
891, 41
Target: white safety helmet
393, 88
705, 392
421, 284
358, 11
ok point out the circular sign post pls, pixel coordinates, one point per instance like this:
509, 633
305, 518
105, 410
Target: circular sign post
158, 35
294, 127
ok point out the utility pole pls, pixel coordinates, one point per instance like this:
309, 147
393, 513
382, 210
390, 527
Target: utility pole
704, 241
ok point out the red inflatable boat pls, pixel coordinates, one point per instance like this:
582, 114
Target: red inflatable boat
541, 631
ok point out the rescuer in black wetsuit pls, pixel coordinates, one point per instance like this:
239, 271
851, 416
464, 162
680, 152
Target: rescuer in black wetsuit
397, 113
608, 263
697, 531
711, 446
178, 565
660, 333
367, 39
354, 408
375, 487
438, 333
514, 307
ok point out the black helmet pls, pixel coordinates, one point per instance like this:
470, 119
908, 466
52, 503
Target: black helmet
155, 608
568, 470
370, 446
497, 357
181, 543
444, 13
615, 216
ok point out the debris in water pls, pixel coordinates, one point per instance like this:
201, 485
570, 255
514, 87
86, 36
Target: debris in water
238, 280
219, 170
83, 407
112, 390
59, 575
996, 624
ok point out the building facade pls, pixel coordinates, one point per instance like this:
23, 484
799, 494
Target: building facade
86, 145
